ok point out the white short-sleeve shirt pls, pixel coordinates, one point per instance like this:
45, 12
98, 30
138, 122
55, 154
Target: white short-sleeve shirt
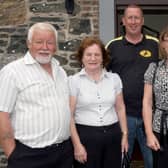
95, 100
37, 103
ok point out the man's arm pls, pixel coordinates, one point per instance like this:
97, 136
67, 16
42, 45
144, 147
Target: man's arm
7, 141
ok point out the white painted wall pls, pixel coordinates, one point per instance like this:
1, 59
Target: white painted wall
106, 20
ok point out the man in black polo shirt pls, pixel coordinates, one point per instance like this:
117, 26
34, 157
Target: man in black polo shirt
131, 55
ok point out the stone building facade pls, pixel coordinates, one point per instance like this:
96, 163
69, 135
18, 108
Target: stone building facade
16, 16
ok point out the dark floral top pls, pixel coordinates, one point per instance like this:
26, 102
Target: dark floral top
160, 90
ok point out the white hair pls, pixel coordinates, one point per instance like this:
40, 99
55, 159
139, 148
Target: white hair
41, 26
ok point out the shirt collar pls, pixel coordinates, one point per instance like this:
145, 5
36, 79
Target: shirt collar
29, 59
126, 42
162, 63
84, 73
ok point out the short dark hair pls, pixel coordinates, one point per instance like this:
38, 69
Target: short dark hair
88, 41
133, 6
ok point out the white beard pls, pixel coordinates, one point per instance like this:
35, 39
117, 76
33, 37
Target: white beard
43, 60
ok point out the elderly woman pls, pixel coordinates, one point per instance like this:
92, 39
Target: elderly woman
98, 126
155, 104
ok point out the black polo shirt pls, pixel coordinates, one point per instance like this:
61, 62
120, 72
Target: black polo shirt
130, 61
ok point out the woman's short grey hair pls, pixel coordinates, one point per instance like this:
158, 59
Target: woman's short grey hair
41, 26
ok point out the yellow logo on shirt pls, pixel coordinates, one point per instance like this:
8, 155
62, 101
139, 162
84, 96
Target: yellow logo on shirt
145, 53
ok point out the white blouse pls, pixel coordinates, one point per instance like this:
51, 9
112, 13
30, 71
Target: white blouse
95, 100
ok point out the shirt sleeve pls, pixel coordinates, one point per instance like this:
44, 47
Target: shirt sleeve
8, 90
149, 74
118, 84
73, 88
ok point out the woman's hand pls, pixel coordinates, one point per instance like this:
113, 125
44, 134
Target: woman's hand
153, 142
80, 153
124, 143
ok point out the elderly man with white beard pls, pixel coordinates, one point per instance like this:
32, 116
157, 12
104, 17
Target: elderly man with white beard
34, 106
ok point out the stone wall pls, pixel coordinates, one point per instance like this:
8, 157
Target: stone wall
17, 15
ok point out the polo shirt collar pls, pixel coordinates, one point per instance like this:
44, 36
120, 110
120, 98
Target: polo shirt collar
126, 42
